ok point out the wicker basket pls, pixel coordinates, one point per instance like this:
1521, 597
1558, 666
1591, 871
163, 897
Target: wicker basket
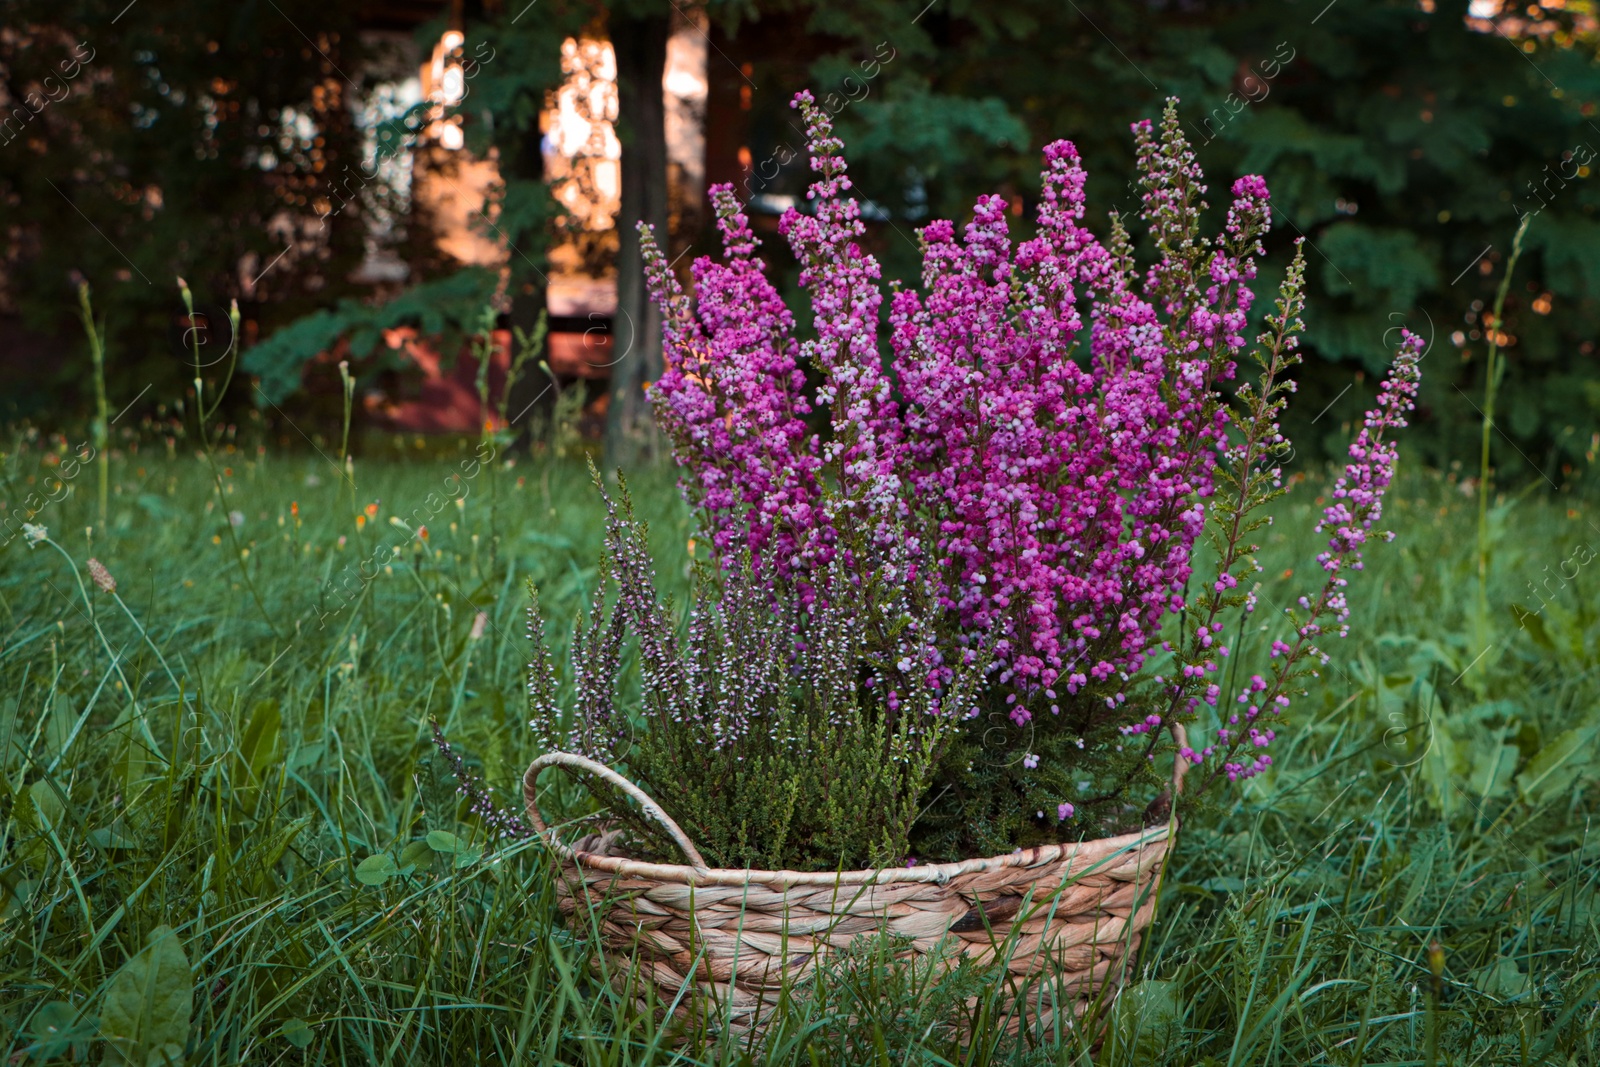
1065, 920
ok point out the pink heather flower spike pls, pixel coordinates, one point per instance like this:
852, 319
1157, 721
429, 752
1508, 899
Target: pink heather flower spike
1356, 507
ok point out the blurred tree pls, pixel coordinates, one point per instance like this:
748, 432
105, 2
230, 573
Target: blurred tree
1406, 142
638, 32
139, 142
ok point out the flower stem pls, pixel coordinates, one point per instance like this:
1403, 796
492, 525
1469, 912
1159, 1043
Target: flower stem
1491, 389
102, 429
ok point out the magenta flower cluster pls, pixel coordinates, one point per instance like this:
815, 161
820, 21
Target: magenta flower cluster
1038, 430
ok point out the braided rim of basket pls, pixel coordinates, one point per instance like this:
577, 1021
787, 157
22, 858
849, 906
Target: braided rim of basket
696, 872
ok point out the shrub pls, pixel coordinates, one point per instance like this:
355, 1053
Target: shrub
1051, 435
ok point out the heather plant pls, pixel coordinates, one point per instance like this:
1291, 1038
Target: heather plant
1054, 441
777, 735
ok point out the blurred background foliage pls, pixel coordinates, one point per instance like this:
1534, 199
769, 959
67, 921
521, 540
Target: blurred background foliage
1404, 139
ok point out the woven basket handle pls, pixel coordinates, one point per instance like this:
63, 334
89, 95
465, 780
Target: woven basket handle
530, 793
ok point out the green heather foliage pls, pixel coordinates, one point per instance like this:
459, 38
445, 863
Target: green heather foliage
276, 803
757, 732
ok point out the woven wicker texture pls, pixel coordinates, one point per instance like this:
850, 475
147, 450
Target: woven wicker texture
1064, 920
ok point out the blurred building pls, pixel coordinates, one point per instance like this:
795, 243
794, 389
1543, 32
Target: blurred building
440, 192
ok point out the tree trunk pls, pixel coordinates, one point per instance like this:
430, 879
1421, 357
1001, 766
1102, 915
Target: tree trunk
531, 397
641, 50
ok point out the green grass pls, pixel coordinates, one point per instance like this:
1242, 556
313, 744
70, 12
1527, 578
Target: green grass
216, 761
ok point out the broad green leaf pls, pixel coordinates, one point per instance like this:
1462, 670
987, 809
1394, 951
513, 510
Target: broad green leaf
376, 869
443, 841
1492, 768
1491, 711
308, 755
109, 837
1421, 881
1553, 770
259, 746
47, 803
57, 727
1501, 980
52, 1017
416, 854
13, 898
1394, 696
462, 854
145, 1020
135, 766
1441, 765
297, 1033
57, 1029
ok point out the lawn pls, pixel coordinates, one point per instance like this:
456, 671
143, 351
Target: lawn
197, 771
